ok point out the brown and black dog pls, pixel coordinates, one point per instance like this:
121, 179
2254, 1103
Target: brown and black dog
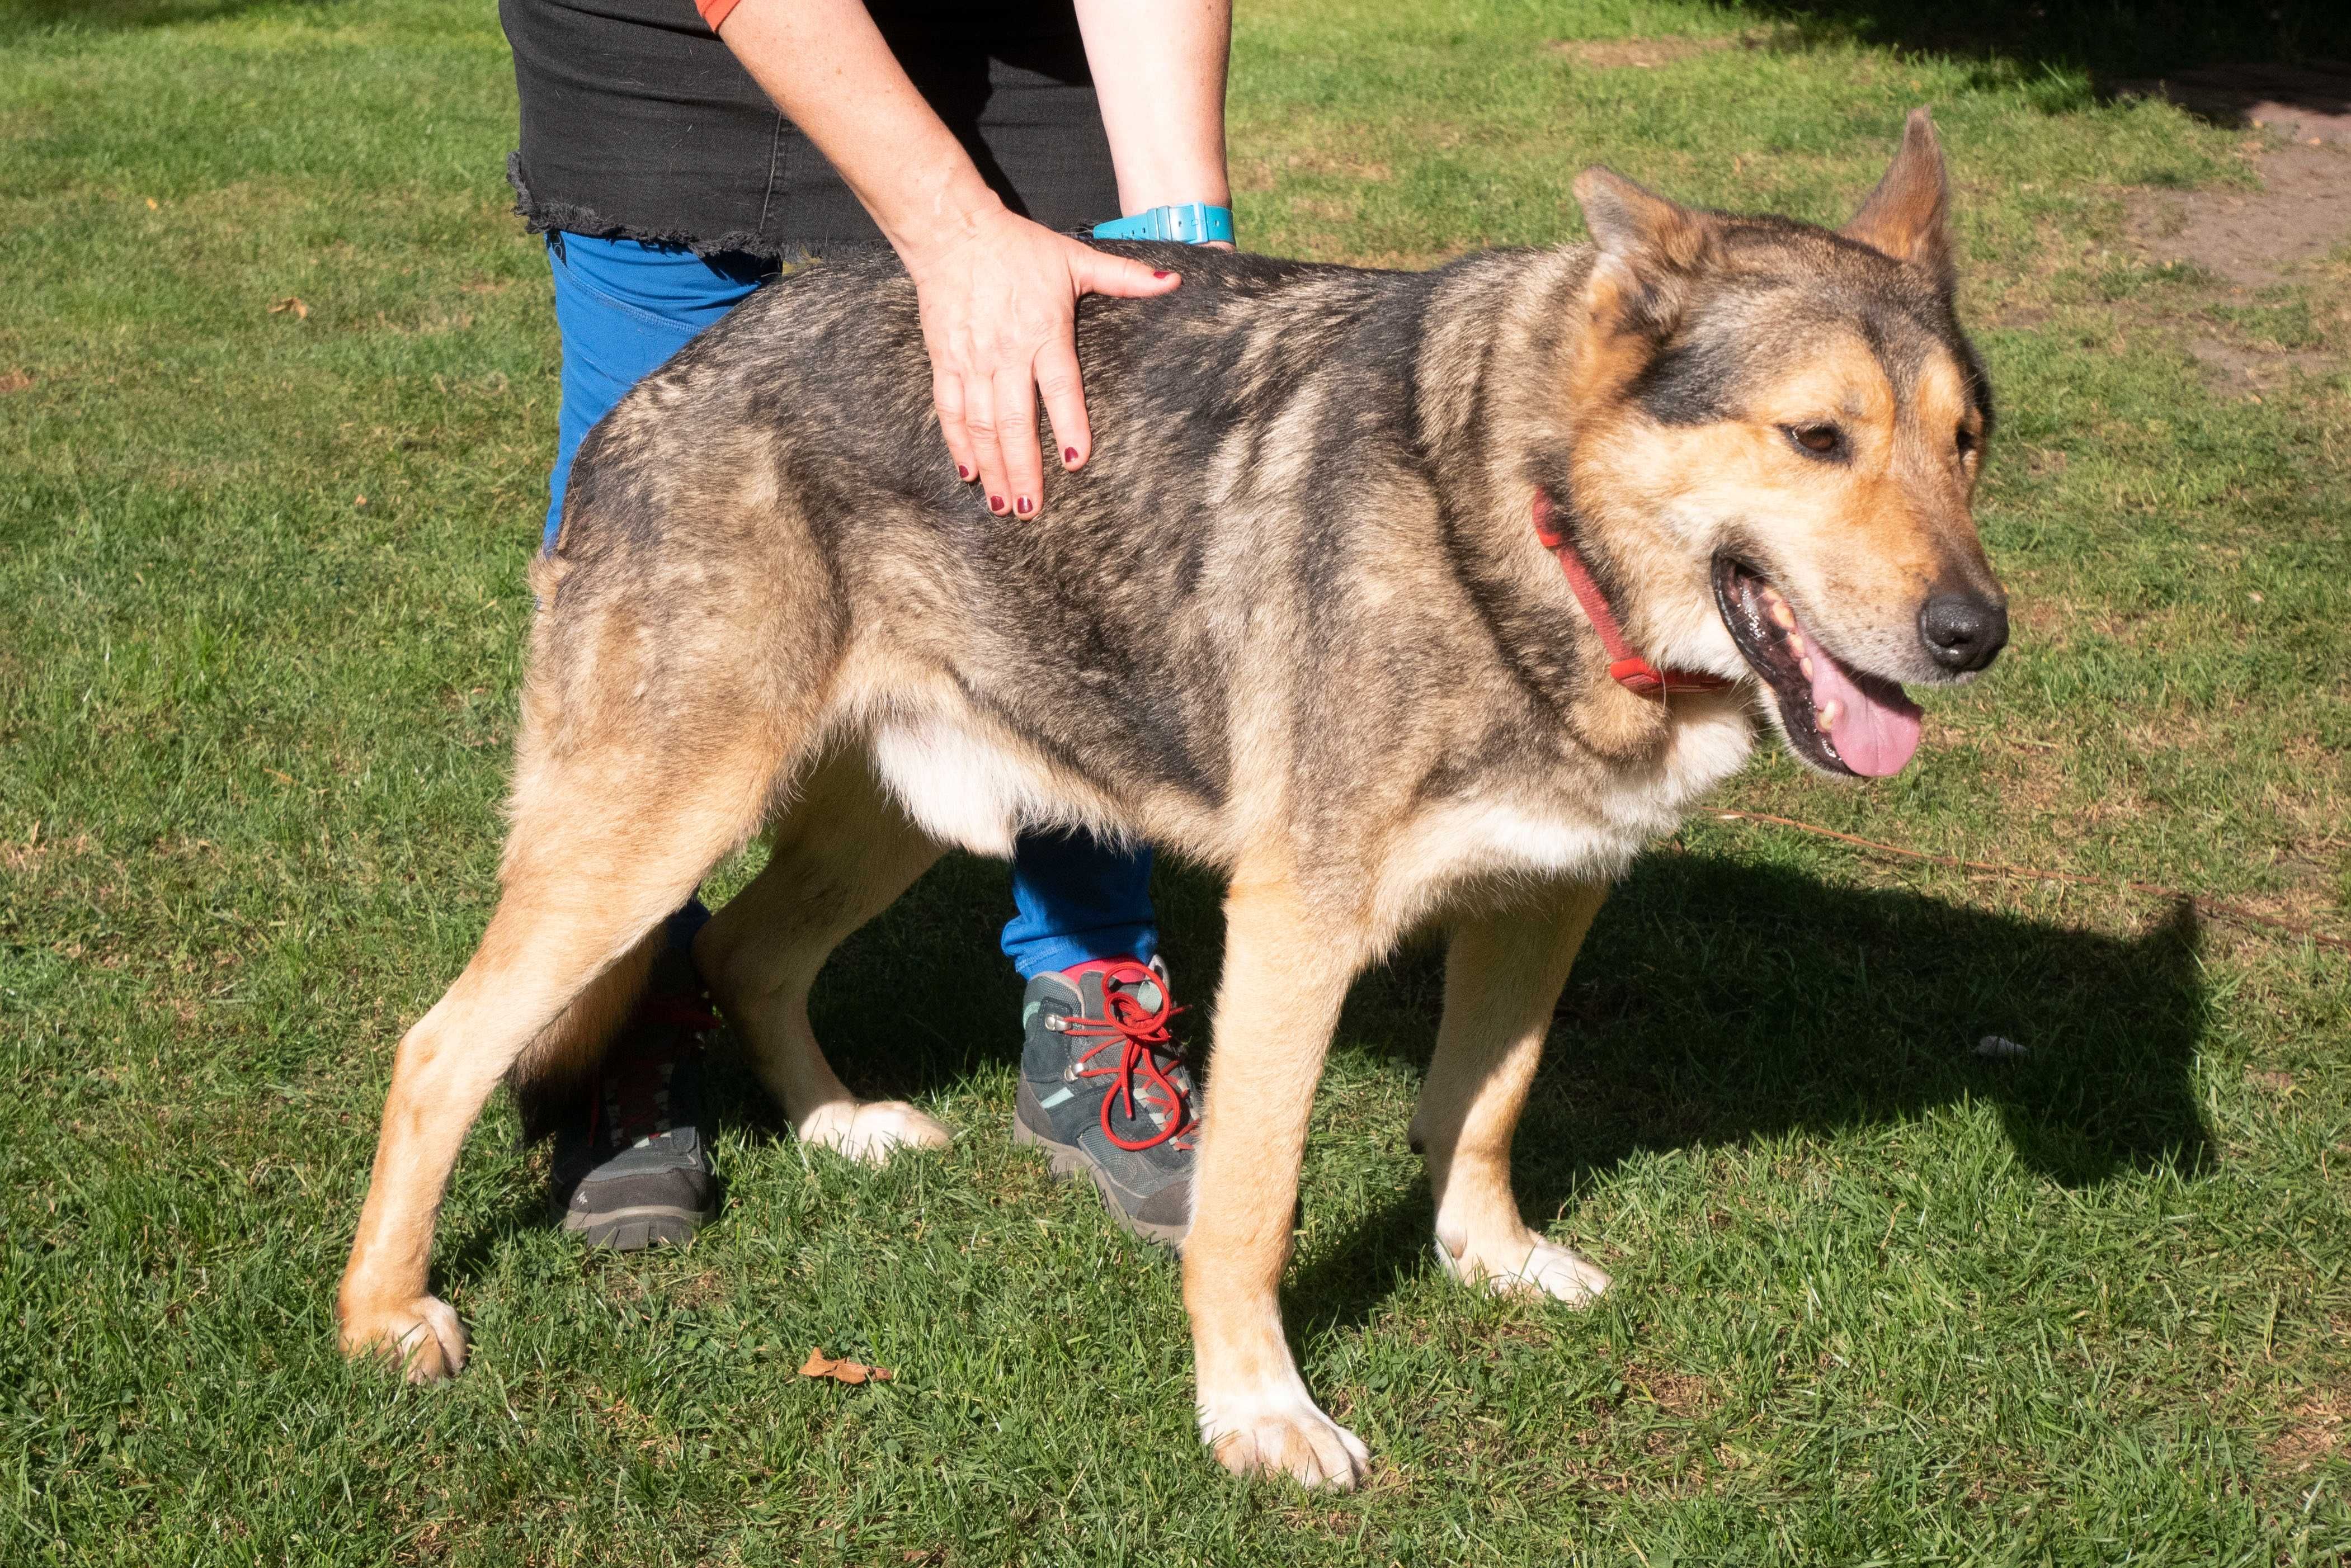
1296, 619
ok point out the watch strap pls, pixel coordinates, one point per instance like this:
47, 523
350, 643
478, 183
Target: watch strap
1193, 223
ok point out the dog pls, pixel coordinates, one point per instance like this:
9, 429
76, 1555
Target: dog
1406, 599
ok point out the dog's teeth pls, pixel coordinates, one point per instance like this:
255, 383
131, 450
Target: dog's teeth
1796, 644
1826, 713
1806, 666
1781, 615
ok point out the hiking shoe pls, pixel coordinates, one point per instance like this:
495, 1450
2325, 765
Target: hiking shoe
633, 1171
1104, 1092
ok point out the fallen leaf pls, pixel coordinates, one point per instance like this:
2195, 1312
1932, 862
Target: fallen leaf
153, 205
820, 1364
301, 311
14, 380
358, 501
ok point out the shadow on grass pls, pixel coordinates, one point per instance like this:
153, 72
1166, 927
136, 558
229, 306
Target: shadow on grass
2113, 40
1716, 1002
20, 17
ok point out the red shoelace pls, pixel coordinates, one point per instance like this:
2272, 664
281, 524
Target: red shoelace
1143, 1035
639, 1086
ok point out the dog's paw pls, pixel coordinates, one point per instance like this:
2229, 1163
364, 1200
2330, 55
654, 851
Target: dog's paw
1254, 1436
872, 1132
423, 1337
1547, 1268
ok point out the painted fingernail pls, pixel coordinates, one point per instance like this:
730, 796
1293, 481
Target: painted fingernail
1024, 506
962, 472
1070, 455
1162, 272
996, 504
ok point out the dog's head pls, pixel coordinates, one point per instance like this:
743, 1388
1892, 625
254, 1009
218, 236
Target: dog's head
1794, 419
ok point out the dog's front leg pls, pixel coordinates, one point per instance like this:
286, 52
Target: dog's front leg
1502, 979
1285, 977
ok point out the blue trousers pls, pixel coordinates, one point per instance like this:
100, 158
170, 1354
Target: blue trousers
625, 306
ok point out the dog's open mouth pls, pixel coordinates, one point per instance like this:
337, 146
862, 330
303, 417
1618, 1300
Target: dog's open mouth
1835, 717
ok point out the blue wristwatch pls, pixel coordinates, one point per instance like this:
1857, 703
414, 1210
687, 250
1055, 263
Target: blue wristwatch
1194, 222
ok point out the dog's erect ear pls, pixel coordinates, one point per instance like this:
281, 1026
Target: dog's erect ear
1634, 225
1649, 249
1905, 217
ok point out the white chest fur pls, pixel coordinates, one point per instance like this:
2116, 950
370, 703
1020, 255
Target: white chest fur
968, 787
1588, 835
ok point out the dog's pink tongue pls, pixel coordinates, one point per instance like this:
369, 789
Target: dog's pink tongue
1877, 727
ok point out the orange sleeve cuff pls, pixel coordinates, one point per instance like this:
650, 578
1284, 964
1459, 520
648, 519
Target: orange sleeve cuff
714, 11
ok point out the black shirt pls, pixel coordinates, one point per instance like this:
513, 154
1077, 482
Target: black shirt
638, 123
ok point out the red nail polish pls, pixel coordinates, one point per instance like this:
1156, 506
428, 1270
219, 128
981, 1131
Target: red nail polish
1024, 506
1069, 454
962, 472
996, 504
1162, 272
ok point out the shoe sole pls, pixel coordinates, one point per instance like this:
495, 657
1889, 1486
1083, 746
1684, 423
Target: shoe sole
1071, 1161
634, 1229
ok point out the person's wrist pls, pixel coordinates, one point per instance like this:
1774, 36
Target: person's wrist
952, 227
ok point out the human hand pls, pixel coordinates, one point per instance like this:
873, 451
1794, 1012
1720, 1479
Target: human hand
999, 317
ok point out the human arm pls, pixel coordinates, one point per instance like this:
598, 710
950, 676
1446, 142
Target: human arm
998, 293
1159, 70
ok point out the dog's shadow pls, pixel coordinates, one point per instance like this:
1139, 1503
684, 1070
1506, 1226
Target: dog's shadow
1716, 1001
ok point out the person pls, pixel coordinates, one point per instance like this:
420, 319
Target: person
676, 154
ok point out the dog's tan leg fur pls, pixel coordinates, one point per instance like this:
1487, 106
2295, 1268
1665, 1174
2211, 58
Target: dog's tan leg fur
841, 856
557, 1068
600, 852
1502, 977
1285, 977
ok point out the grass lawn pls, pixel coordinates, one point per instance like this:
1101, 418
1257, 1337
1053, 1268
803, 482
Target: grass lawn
1879, 1298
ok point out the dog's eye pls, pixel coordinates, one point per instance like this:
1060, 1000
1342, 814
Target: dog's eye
1820, 441
1965, 440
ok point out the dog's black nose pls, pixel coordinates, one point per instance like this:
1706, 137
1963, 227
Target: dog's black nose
1963, 631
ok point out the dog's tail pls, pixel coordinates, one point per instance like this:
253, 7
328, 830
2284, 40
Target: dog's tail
555, 1073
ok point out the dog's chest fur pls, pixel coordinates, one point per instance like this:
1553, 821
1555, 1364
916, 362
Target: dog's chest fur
1585, 824
970, 783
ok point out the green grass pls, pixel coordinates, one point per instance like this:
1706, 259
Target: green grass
1879, 1300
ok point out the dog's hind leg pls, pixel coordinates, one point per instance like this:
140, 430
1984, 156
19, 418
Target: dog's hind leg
1286, 973
1502, 979
605, 843
839, 857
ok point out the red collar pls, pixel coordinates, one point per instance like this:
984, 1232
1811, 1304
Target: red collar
1626, 668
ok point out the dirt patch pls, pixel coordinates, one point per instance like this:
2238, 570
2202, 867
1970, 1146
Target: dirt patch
2303, 208
2302, 211
2313, 1431
1648, 53
1677, 1394
2253, 240
27, 858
